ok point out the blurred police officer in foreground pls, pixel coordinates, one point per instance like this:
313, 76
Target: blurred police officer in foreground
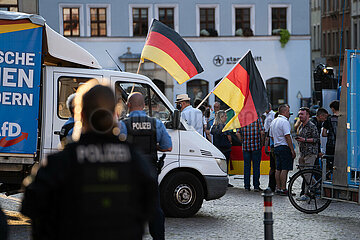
3, 226
96, 188
149, 135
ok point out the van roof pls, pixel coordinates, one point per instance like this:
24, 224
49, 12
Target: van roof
58, 50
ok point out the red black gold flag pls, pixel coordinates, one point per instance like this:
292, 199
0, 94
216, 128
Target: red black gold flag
168, 49
243, 90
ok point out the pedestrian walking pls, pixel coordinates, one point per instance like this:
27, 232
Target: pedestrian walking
192, 116
96, 188
149, 135
280, 131
252, 137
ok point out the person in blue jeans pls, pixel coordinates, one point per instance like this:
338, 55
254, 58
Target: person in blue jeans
252, 137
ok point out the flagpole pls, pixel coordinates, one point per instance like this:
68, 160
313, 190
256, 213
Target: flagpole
137, 72
222, 80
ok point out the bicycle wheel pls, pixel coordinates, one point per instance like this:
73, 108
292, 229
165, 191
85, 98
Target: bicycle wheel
305, 191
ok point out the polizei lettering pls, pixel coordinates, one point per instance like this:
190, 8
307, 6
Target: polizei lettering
103, 153
141, 125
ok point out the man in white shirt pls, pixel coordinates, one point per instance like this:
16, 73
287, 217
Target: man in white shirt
192, 116
269, 117
283, 147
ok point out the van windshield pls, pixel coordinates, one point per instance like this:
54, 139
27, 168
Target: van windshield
154, 106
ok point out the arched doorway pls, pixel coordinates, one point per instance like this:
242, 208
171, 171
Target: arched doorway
197, 90
160, 84
277, 90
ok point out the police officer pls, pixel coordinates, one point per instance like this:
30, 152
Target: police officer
3, 226
67, 128
149, 135
96, 188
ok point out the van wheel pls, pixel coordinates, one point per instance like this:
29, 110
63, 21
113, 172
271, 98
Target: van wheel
181, 194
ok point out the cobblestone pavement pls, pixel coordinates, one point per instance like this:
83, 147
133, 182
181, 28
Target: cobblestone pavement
237, 215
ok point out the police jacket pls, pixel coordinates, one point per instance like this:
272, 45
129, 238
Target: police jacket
141, 131
97, 188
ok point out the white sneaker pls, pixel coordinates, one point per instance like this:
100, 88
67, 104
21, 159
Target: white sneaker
302, 198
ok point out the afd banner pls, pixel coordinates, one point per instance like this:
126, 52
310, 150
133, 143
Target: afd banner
20, 68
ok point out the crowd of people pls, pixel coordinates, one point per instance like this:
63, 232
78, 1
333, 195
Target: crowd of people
272, 131
62, 196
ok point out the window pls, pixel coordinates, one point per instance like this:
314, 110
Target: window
12, 7
277, 90
319, 38
328, 44
355, 36
314, 38
207, 18
242, 20
71, 21
98, 21
197, 90
278, 19
67, 86
166, 16
323, 48
140, 21
160, 85
336, 44
154, 106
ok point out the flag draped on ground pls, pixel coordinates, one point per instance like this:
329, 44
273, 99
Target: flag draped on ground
243, 90
168, 49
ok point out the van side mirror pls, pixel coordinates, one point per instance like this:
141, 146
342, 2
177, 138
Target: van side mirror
176, 119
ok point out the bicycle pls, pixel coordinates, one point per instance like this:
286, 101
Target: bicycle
304, 191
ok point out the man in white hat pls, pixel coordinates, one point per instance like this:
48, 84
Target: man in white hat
192, 116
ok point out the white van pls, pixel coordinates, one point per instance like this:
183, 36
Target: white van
193, 171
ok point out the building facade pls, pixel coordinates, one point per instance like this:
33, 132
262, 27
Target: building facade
333, 22
219, 32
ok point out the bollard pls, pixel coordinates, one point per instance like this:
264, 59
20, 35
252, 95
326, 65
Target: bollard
268, 214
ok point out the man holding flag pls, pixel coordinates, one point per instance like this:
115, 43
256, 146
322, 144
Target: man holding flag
243, 90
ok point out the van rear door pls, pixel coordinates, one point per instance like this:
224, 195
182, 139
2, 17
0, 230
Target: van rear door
65, 83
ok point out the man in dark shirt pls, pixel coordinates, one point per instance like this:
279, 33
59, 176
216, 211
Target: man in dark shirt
330, 126
321, 116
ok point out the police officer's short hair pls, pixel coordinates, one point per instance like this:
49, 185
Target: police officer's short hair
98, 108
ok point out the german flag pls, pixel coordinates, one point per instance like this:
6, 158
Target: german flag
243, 90
7, 26
168, 49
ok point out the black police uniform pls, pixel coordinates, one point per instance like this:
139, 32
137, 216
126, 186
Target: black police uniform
141, 131
3, 226
97, 188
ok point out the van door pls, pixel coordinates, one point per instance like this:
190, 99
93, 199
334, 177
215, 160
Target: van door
154, 107
65, 84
